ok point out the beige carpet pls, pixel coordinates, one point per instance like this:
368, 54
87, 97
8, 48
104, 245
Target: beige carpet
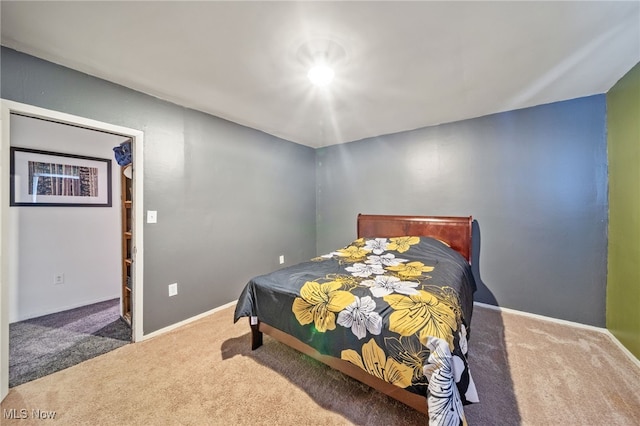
527, 371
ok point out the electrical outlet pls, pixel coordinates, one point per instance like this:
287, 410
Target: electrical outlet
58, 279
173, 289
281, 259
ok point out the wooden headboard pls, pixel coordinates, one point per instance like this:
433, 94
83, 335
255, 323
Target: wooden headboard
455, 231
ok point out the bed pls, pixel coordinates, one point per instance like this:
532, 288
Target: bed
392, 310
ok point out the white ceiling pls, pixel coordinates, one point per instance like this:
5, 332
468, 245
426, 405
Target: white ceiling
399, 65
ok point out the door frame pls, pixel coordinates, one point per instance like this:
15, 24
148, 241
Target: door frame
6, 108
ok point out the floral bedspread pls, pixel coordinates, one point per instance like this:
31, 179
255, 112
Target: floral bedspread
399, 308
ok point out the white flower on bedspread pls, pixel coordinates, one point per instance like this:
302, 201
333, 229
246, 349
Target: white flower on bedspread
363, 270
377, 246
463, 339
361, 317
384, 285
471, 394
445, 405
388, 259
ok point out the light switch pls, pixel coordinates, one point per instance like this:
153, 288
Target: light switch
152, 216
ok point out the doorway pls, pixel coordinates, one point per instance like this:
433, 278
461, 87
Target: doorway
9, 253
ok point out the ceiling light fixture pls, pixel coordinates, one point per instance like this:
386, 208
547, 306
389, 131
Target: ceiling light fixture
321, 74
321, 57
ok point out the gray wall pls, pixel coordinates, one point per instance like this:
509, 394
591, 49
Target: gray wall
230, 199
535, 180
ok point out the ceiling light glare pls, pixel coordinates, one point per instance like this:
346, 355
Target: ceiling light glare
320, 75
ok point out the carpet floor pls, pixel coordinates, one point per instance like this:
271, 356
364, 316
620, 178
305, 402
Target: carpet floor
528, 372
41, 346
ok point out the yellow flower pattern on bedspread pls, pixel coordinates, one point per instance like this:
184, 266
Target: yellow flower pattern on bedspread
319, 304
411, 269
402, 244
379, 303
416, 309
424, 314
375, 362
353, 253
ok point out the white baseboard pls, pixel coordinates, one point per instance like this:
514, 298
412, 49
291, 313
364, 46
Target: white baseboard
541, 317
187, 321
626, 351
623, 348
